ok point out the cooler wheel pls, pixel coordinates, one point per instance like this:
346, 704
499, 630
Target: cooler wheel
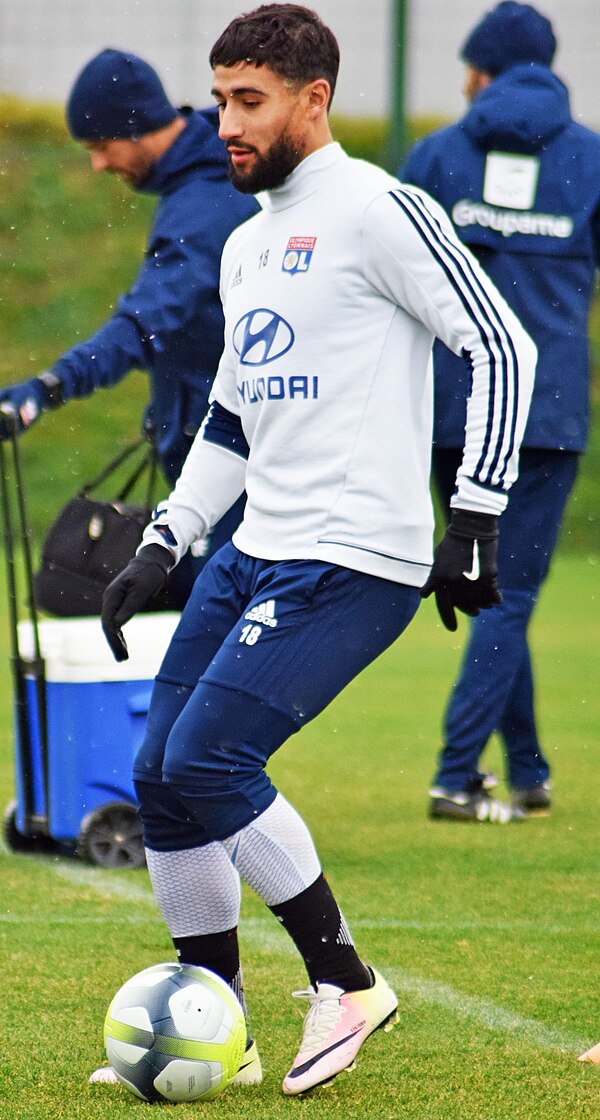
112, 837
16, 841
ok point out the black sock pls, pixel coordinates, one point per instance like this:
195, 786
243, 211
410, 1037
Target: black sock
217, 951
315, 924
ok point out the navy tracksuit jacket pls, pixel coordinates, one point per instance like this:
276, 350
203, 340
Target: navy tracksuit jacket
546, 272
521, 182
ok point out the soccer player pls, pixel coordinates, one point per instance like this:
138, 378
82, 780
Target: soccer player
321, 408
521, 182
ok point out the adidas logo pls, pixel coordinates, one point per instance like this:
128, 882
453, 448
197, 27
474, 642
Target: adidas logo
237, 279
264, 613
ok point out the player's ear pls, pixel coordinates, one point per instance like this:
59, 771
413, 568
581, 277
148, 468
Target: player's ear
319, 96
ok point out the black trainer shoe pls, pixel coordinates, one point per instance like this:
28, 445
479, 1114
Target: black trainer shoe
477, 806
535, 801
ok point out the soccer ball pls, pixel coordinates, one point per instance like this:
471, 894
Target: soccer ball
175, 1033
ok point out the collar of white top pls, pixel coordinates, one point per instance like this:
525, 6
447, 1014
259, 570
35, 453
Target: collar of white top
305, 178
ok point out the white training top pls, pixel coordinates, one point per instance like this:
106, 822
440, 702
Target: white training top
333, 294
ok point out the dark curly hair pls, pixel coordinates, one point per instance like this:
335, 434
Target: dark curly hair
289, 38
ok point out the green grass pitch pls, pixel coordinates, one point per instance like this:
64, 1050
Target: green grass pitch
490, 934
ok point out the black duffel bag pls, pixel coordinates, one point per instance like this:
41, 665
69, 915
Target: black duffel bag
92, 540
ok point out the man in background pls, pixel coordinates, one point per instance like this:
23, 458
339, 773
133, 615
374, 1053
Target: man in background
521, 182
170, 323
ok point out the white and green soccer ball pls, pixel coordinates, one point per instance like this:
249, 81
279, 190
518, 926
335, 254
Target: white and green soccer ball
175, 1033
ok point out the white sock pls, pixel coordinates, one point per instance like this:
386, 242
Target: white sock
275, 854
197, 889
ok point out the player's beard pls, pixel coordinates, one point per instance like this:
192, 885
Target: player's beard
270, 170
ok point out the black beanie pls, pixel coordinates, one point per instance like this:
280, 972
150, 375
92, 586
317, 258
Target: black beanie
508, 35
117, 96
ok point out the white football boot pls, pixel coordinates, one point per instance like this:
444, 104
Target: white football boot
335, 1027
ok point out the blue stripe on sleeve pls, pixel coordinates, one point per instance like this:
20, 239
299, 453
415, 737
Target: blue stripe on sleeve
502, 415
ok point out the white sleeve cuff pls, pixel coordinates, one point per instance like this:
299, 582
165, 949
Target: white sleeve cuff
477, 499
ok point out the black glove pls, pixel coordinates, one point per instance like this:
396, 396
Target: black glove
464, 573
130, 591
21, 405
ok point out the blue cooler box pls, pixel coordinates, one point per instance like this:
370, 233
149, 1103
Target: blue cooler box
96, 712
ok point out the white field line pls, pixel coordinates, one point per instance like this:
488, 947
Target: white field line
487, 1014
265, 934
109, 884
106, 883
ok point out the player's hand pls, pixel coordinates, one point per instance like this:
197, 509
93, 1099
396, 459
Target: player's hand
21, 405
464, 573
129, 592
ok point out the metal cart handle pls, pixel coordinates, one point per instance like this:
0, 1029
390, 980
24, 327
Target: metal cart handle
32, 669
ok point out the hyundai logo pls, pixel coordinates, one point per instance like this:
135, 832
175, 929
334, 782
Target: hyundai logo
261, 336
